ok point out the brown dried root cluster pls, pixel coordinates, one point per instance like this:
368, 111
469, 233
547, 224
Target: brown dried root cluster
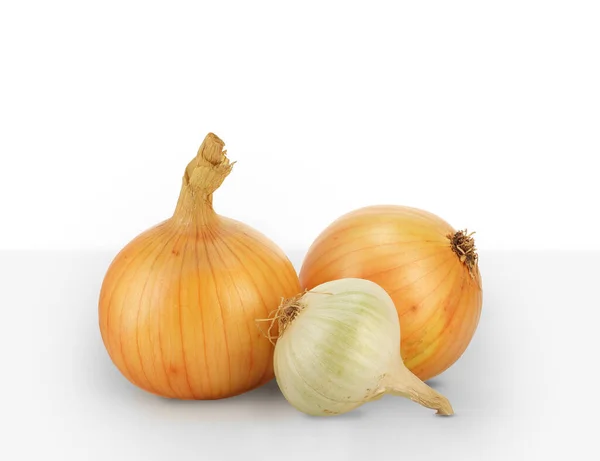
463, 245
282, 317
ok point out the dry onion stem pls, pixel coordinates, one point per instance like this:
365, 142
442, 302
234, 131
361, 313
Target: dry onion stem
178, 303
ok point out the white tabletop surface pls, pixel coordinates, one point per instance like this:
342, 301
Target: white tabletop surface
525, 388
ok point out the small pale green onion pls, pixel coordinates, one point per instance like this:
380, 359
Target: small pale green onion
339, 347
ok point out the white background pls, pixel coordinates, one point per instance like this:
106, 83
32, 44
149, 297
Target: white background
485, 113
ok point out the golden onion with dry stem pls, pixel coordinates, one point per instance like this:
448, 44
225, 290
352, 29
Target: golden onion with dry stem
428, 268
178, 304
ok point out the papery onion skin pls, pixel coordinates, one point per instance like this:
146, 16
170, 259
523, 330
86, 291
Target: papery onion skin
408, 252
178, 304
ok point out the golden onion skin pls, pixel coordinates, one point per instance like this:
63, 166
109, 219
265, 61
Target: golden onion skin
178, 305
408, 252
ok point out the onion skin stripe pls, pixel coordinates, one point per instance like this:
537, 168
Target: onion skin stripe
257, 238
235, 288
274, 273
112, 284
464, 327
179, 308
186, 312
412, 316
137, 331
404, 264
133, 376
438, 229
392, 210
113, 338
233, 284
325, 263
362, 228
169, 244
328, 249
409, 338
469, 328
417, 360
321, 246
155, 385
317, 265
394, 292
163, 255
253, 281
349, 221
179, 392
202, 321
233, 228
440, 353
444, 280
291, 276
200, 314
431, 354
290, 279
157, 312
223, 326
247, 269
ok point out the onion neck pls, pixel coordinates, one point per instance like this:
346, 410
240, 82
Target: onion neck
203, 175
404, 383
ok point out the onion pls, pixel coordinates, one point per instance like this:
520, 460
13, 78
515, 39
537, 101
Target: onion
178, 304
429, 269
338, 349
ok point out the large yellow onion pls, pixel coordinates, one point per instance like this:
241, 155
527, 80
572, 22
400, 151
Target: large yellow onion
179, 303
428, 268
